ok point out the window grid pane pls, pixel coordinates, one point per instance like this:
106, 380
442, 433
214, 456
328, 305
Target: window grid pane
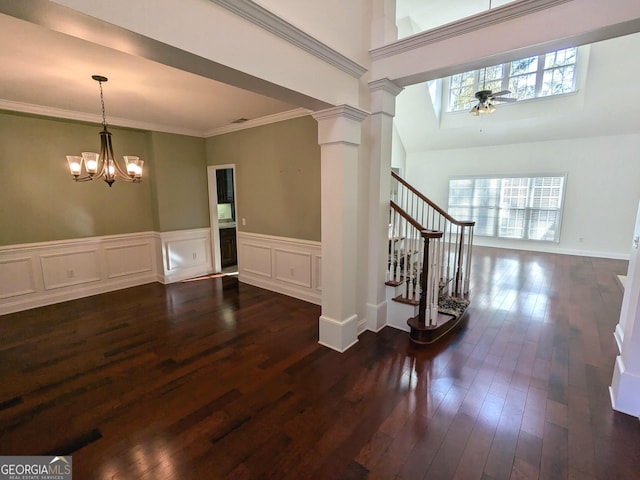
560, 57
542, 225
523, 86
514, 207
558, 80
557, 69
461, 93
512, 223
524, 66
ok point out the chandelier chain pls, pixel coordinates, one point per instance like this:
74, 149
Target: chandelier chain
104, 117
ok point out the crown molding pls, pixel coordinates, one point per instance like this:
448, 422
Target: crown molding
263, 18
385, 85
342, 111
44, 111
93, 118
482, 20
256, 122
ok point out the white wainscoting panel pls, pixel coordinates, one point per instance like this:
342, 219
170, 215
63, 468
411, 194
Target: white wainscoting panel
37, 274
186, 254
284, 265
257, 258
293, 267
70, 268
125, 260
19, 275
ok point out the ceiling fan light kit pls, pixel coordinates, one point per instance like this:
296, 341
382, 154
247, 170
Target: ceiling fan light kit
486, 98
104, 165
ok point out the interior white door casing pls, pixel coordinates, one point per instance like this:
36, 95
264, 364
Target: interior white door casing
213, 211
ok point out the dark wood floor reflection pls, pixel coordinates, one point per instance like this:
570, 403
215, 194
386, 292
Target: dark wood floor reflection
210, 379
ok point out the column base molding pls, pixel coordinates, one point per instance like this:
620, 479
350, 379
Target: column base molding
624, 390
338, 335
376, 316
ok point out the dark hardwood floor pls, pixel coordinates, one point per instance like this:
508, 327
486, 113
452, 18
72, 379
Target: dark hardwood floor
210, 379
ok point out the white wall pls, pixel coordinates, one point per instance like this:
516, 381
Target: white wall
398, 153
343, 26
602, 190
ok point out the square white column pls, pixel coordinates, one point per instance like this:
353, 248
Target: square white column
339, 135
383, 108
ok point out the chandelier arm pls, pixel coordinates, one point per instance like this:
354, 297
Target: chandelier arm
118, 170
85, 178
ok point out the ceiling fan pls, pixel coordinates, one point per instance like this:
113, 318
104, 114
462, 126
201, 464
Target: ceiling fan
486, 98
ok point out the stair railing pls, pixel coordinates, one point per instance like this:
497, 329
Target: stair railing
457, 236
414, 257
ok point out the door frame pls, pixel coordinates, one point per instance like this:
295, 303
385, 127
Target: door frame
212, 188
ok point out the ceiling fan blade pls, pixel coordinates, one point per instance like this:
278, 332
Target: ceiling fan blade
502, 92
504, 99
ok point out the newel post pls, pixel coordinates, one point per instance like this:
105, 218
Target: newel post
421, 325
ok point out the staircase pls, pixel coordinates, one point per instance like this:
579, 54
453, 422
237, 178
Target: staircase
429, 264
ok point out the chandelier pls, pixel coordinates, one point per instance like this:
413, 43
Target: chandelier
103, 165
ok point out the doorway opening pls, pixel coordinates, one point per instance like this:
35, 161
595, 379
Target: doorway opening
222, 212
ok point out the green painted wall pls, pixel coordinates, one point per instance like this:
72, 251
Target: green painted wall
40, 202
38, 199
277, 176
179, 180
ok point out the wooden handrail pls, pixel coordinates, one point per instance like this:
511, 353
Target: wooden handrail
424, 232
468, 223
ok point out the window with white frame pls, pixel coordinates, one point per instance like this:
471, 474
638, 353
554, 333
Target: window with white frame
544, 75
528, 207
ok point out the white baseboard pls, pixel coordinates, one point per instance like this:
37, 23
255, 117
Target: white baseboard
624, 389
545, 247
376, 318
338, 335
284, 265
80, 291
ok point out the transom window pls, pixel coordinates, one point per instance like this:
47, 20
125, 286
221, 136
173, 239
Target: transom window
544, 75
511, 207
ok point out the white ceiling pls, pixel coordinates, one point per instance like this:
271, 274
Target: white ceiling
43, 71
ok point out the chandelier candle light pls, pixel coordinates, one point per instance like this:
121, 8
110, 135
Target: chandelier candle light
103, 165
